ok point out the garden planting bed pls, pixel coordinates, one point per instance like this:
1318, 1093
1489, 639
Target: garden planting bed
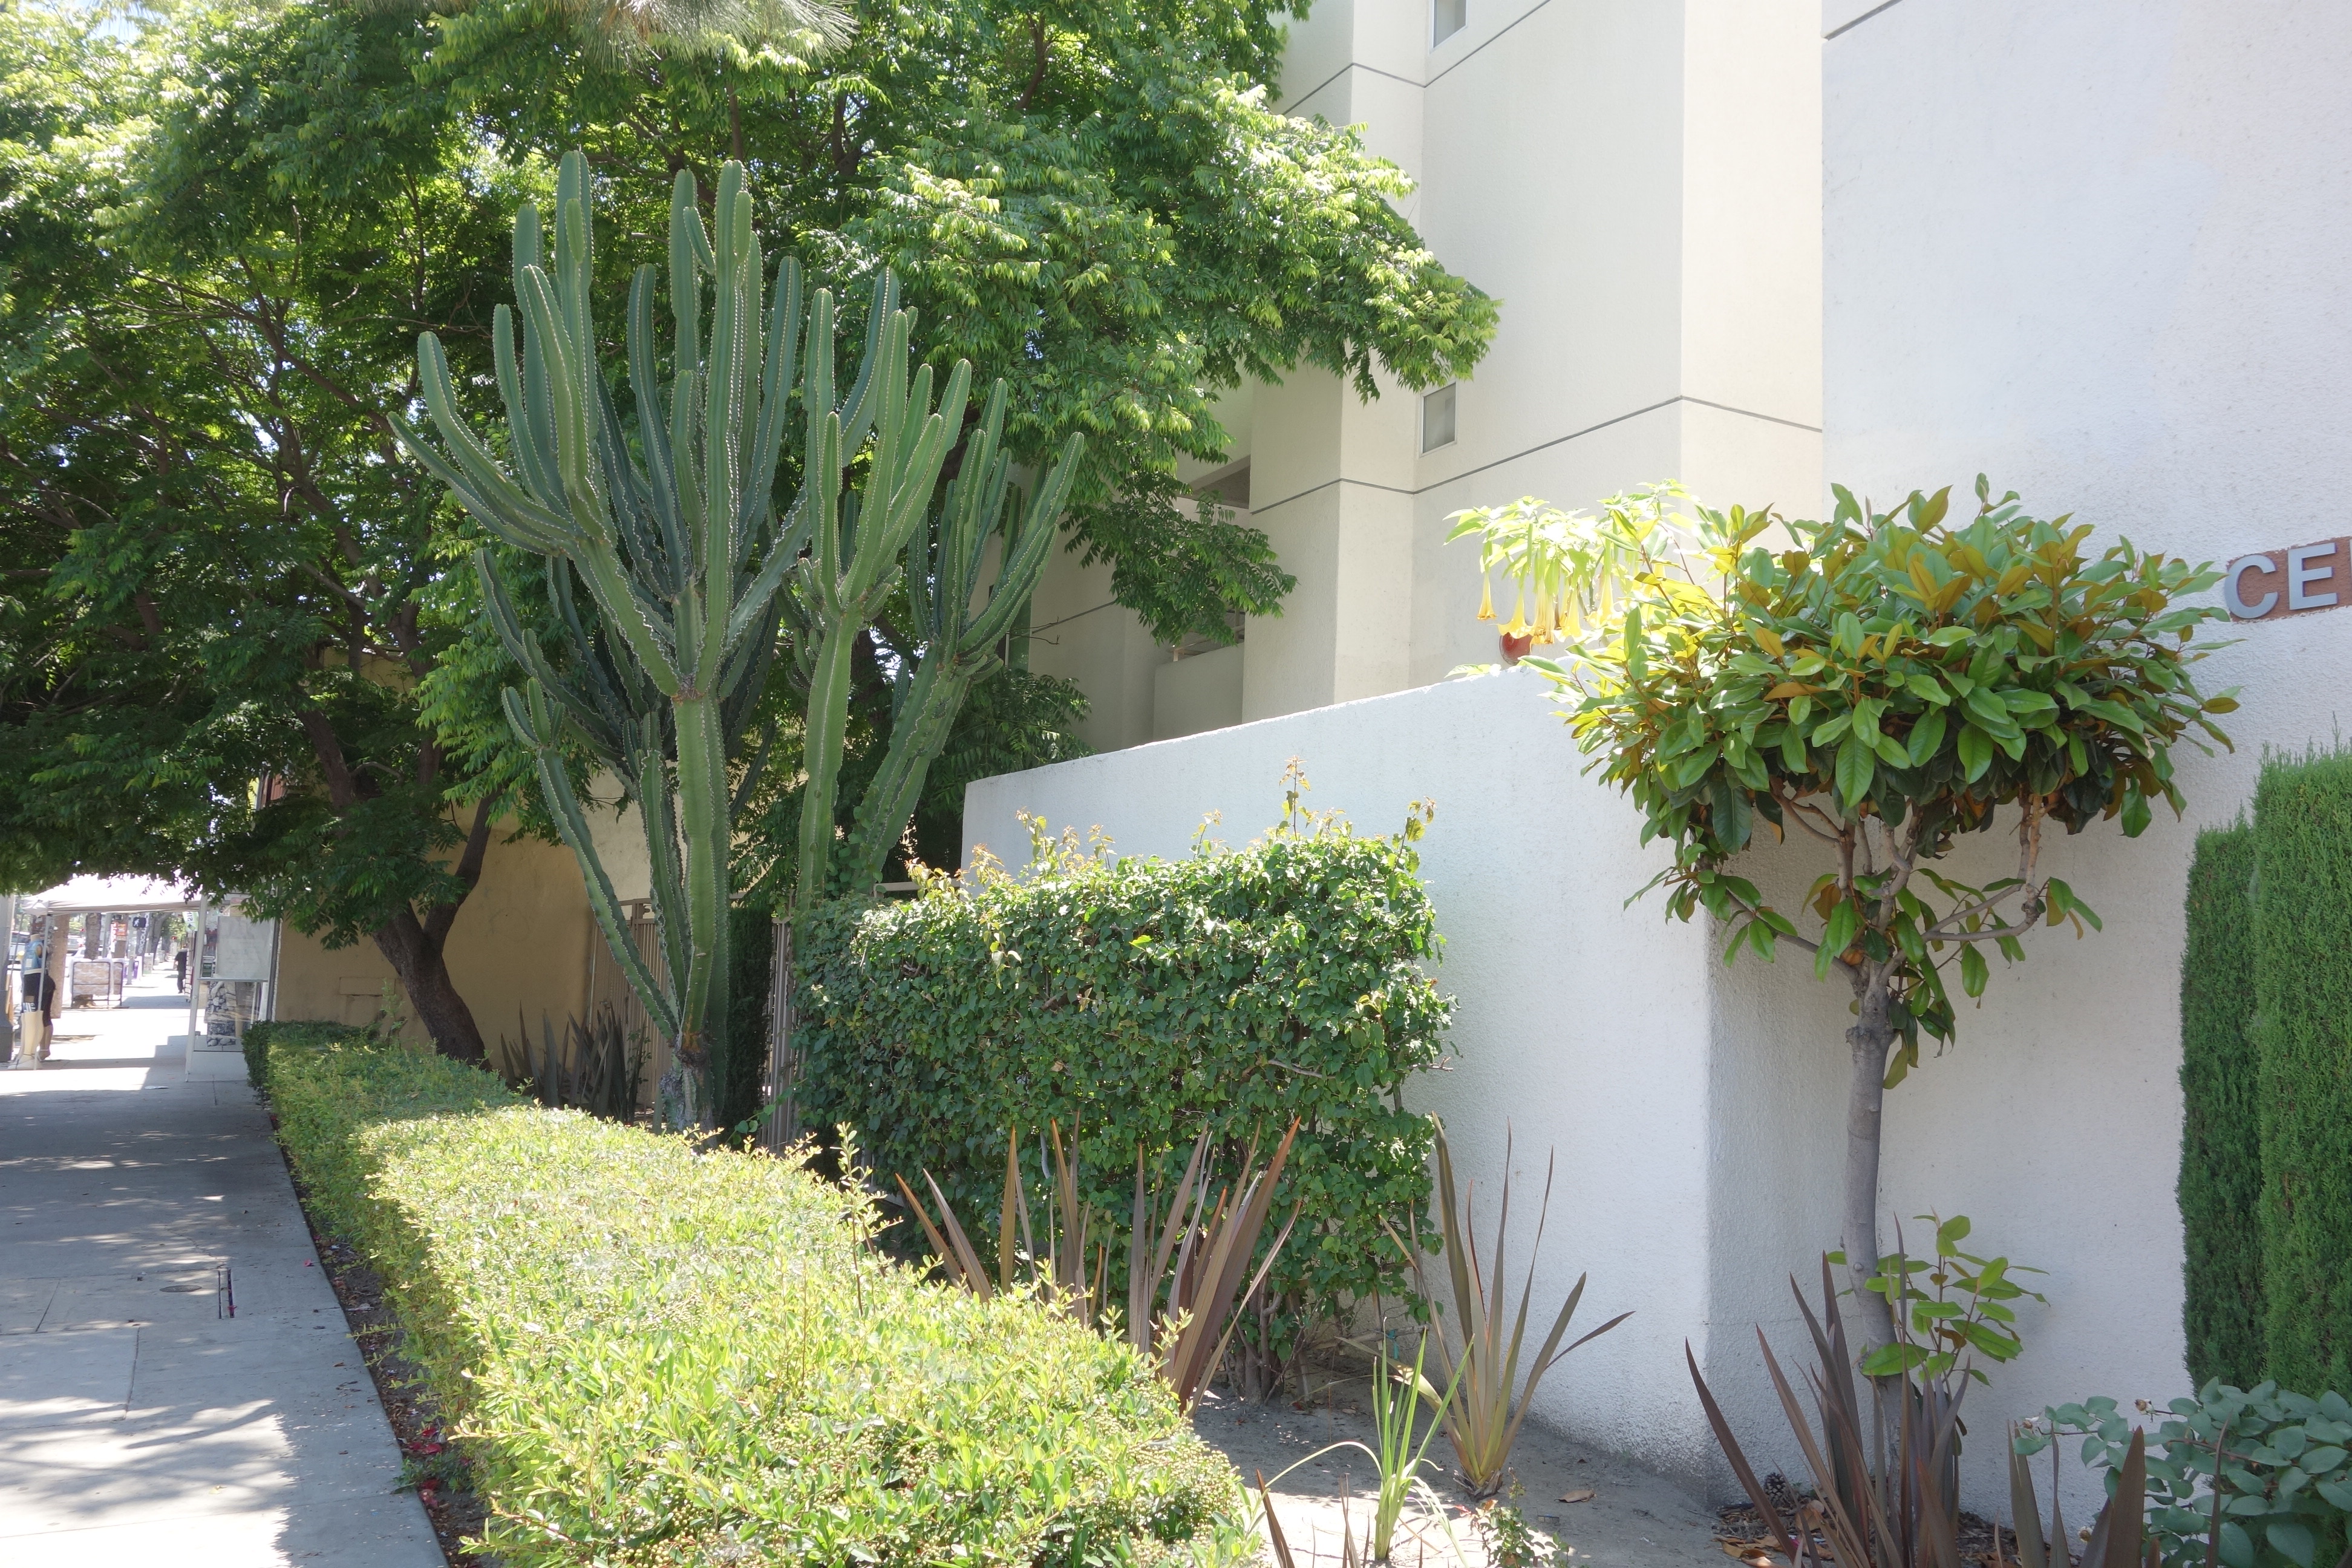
657, 1358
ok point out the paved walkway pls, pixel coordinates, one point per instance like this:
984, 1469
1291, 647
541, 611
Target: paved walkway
140, 1424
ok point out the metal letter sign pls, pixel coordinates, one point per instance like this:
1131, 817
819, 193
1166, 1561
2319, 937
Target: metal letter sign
2291, 581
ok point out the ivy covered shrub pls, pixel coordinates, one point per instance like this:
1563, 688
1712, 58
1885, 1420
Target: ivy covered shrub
657, 1358
1137, 1002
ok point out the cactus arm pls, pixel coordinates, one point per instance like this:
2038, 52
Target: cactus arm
689, 259
775, 401
828, 709
632, 507
917, 738
572, 824
528, 452
616, 600
524, 649
1025, 560
644, 382
473, 459
574, 461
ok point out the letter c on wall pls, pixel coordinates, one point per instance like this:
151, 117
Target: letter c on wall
2234, 600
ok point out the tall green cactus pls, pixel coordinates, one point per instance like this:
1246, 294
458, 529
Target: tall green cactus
958, 644
672, 529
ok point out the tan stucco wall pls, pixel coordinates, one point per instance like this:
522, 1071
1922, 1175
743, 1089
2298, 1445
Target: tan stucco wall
521, 947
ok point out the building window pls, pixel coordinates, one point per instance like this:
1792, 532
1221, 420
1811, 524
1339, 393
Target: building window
1437, 419
1446, 17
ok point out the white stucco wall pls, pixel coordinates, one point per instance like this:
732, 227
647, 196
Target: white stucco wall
1582, 1026
2100, 251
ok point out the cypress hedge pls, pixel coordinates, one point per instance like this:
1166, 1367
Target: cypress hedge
2221, 1138
667, 1360
2302, 988
1136, 1003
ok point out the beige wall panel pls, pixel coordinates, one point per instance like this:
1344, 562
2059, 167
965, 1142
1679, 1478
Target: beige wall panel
521, 942
1202, 693
1287, 658
1752, 209
1553, 182
1083, 635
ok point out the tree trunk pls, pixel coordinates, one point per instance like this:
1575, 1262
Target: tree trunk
1868, 1041
416, 958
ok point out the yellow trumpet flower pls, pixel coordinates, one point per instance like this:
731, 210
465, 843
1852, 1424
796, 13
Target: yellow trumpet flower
1519, 627
1487, 597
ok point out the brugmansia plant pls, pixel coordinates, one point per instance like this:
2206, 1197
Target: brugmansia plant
1881, 683
669, 523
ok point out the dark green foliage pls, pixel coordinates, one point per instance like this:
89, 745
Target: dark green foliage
751, 957
305, 1032
1139, 1002
2302, 992
2220, 1135
671, 1358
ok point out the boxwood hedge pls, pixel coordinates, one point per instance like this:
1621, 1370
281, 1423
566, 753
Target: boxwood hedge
1137, 1002
658, 1357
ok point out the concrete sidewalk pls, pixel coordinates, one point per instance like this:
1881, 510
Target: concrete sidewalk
139, 1422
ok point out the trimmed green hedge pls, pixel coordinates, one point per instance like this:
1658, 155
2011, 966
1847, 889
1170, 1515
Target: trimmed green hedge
308, 1033
2221, 1135
2303, 989
654, 1357
1140, 1001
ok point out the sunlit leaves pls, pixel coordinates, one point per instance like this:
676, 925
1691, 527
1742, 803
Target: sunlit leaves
1885, 673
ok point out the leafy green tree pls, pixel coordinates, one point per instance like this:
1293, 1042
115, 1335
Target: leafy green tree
229, 588
1092, 200
1881, 683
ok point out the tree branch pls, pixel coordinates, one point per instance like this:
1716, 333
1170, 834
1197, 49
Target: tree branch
468, 871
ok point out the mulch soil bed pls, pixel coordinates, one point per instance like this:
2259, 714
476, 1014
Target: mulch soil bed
1743, 1535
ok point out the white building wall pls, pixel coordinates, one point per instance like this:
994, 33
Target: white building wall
1581, 1026
2099, 251
1637, 182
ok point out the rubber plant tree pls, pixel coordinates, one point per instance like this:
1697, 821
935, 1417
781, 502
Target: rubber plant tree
1881, 683
667, 561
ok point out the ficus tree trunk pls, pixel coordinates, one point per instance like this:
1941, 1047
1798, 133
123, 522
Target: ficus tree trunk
1868, 1042
414, 944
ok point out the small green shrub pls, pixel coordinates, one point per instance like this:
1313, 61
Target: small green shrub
2303, 993
658, 1358
2220, 1131
305, 1032
1138, 1002
2285, 1494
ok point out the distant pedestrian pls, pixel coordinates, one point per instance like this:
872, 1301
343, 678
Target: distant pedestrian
180, 968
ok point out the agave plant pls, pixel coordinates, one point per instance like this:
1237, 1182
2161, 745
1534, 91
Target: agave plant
1059, 1269
1188, 1262
595, 1067
670, 530
1484, 1417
